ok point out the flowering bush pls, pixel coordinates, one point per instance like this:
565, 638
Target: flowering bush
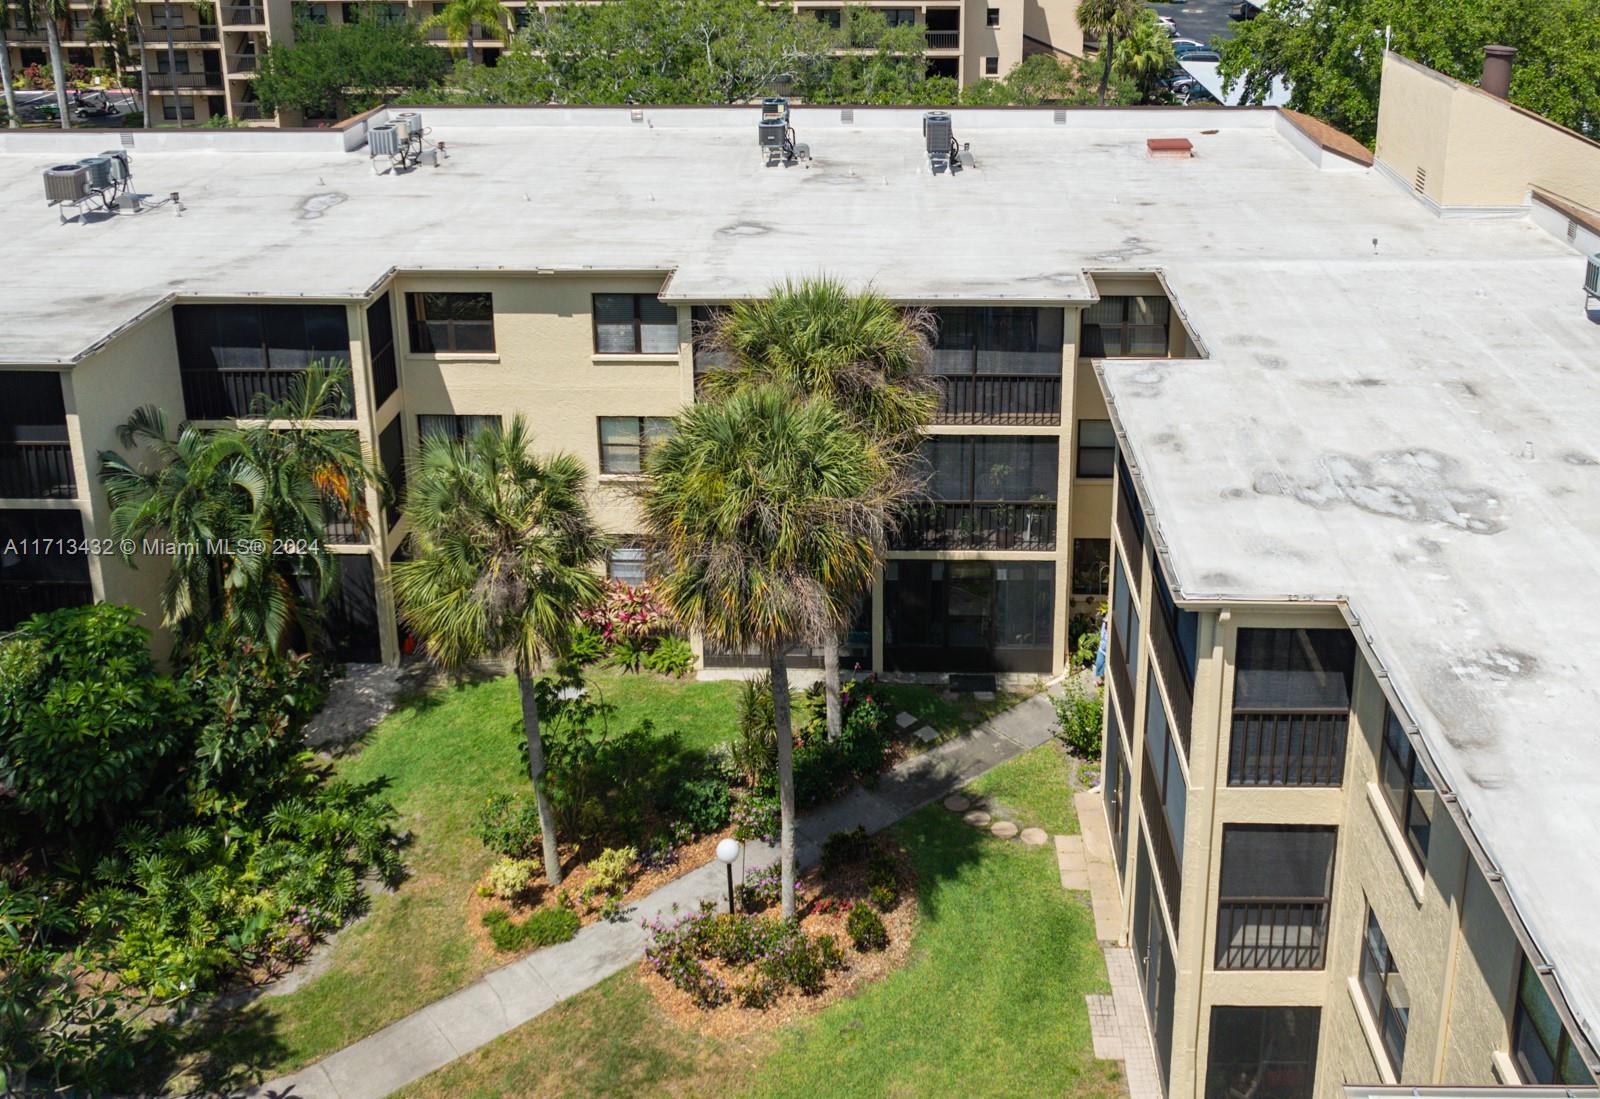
761, 889
757, 818
510, 877
624, 612
776, 954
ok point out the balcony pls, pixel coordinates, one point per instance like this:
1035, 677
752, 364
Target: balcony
1287, 748
1272, 933
242, 15
988, 525
37, 471
1023, 399
156, 37
241, 62
229, 394
1174, 676
1122, 513
248, 111
21, 599
944, 40
1169, 869
162, 82
1121, 677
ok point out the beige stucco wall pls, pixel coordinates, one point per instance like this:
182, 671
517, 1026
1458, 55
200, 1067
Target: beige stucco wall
1476, 150
1052, 22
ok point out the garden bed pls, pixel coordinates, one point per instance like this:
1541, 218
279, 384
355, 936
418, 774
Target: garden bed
743, 972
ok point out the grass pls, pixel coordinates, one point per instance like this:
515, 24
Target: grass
1036, 786
947, 715
441, 754
992, 998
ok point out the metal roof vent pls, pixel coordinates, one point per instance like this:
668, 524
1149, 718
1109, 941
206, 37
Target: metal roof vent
1061, 117
127, 141
1179, 148
847, 115
775, 136
1591, 280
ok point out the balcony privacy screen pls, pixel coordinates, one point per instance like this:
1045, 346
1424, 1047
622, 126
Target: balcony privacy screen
990, 467
1293, 669
1276, 862
999, 340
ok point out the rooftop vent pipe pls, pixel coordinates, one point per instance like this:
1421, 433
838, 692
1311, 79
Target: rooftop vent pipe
1496, 79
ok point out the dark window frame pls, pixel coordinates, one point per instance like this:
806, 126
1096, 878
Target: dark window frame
1565, 1062
1378, 974
639, 323
1100, 346
630, 546
419, 326
1400, 786
1095, 553
460, 425
640, 446
991, 66
991, 17
1099, 454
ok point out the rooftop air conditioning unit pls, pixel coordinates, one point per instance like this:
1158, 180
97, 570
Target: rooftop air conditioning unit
383, 140
121, 165
66, 183
407, 123
99, 169
1591, 279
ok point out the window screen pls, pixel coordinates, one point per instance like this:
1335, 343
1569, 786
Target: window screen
1293, 669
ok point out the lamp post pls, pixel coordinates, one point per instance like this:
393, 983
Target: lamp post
728, 851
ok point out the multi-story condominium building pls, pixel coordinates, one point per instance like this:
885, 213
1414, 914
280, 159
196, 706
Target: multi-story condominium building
202, 54
1319, 426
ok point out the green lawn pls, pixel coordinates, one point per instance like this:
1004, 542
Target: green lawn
947, 715
1036, 786
991, 1002
442, 755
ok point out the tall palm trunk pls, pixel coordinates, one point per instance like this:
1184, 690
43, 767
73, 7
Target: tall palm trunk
547, 815
472, 53
58, 69
1108, 46
830, 687
144, 71
5, 78
172, 65
785, 727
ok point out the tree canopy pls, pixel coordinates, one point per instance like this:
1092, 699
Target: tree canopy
1330, 53
349, 67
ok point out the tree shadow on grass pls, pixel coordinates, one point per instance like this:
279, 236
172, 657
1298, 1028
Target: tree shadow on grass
219, 1053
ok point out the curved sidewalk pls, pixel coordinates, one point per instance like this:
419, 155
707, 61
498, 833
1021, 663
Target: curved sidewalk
449, 1028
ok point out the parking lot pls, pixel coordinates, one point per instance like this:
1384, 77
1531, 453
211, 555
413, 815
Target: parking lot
1202, 20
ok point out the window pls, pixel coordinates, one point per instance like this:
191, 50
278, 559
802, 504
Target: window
1544, 1050
1097, 448
626, 440
1291, 707
627, 564
455, 428
1182, 633
1164, 797
184, 108
1265, 1052
991, 66
1132, 325
1118, 785
1125, 625
179, 62
992, 16
35, 454
984, 492
380, 336
392, 456
899, 17
450, 322
37, 575
231, 356
827, 16
1406, 786
1128, 506
997, 340
968, 616
1272, 902
1385, 993
634, 324
1091, 566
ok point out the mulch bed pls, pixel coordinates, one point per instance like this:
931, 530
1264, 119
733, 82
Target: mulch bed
540, 895
730, 1020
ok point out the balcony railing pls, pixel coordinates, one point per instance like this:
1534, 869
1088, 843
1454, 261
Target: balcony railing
242, 15
999, 399
21, 599
1287, 748
248, 111
1272, 933
155, 38
978, 525
944, 40
37, 471
166, 81
242, 62
228, 394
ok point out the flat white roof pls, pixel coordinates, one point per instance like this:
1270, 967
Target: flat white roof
1397, 411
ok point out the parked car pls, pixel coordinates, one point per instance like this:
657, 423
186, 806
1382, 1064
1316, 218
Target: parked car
1168, 25
1184, 46
1200, 55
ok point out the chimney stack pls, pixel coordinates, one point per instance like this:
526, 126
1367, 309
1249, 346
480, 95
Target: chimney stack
1496, 78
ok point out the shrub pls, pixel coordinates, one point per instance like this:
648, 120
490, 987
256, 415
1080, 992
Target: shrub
628, 653
510, 878
842, 849
760, 890
608, 876
672, 656
795, 960
757, 818
1078, 718
629, 612
585, 646
704, 804
755, 749
759, 991
545, 927
775, 953
883, 897
508, 825
866, 929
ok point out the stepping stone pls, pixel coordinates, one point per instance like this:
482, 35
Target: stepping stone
905, 720
977, 818
927, 734
1005, 829
1035, 837
970, 715
983, 696
957, 804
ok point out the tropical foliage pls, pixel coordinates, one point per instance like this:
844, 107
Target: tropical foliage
503, 557
347, 67
1144, 56
1107, 21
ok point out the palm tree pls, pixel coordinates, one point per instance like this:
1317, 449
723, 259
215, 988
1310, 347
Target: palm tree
172, 64
503, 556
1107, 20
52, 13
766, 506
859, 351
126, 13
460, 17
5, 68
226, 494
1145, 54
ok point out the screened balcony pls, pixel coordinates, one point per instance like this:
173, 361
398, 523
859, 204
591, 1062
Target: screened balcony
35, 456
1291, 707
37, 571
1272, 907
998, 365
233, 357
984, 492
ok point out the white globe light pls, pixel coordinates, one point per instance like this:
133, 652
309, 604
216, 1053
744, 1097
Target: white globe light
728, 850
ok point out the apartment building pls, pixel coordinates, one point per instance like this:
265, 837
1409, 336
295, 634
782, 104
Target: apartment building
202, 54
1319, 426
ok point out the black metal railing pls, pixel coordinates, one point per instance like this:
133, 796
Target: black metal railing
998, 399
1169, 868
228, 394
944, 40
941, 525
340, 529
37, 471
1287, 747
1272, 933
242, 15
21, 599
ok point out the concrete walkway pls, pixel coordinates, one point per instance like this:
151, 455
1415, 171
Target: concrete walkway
510, 996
